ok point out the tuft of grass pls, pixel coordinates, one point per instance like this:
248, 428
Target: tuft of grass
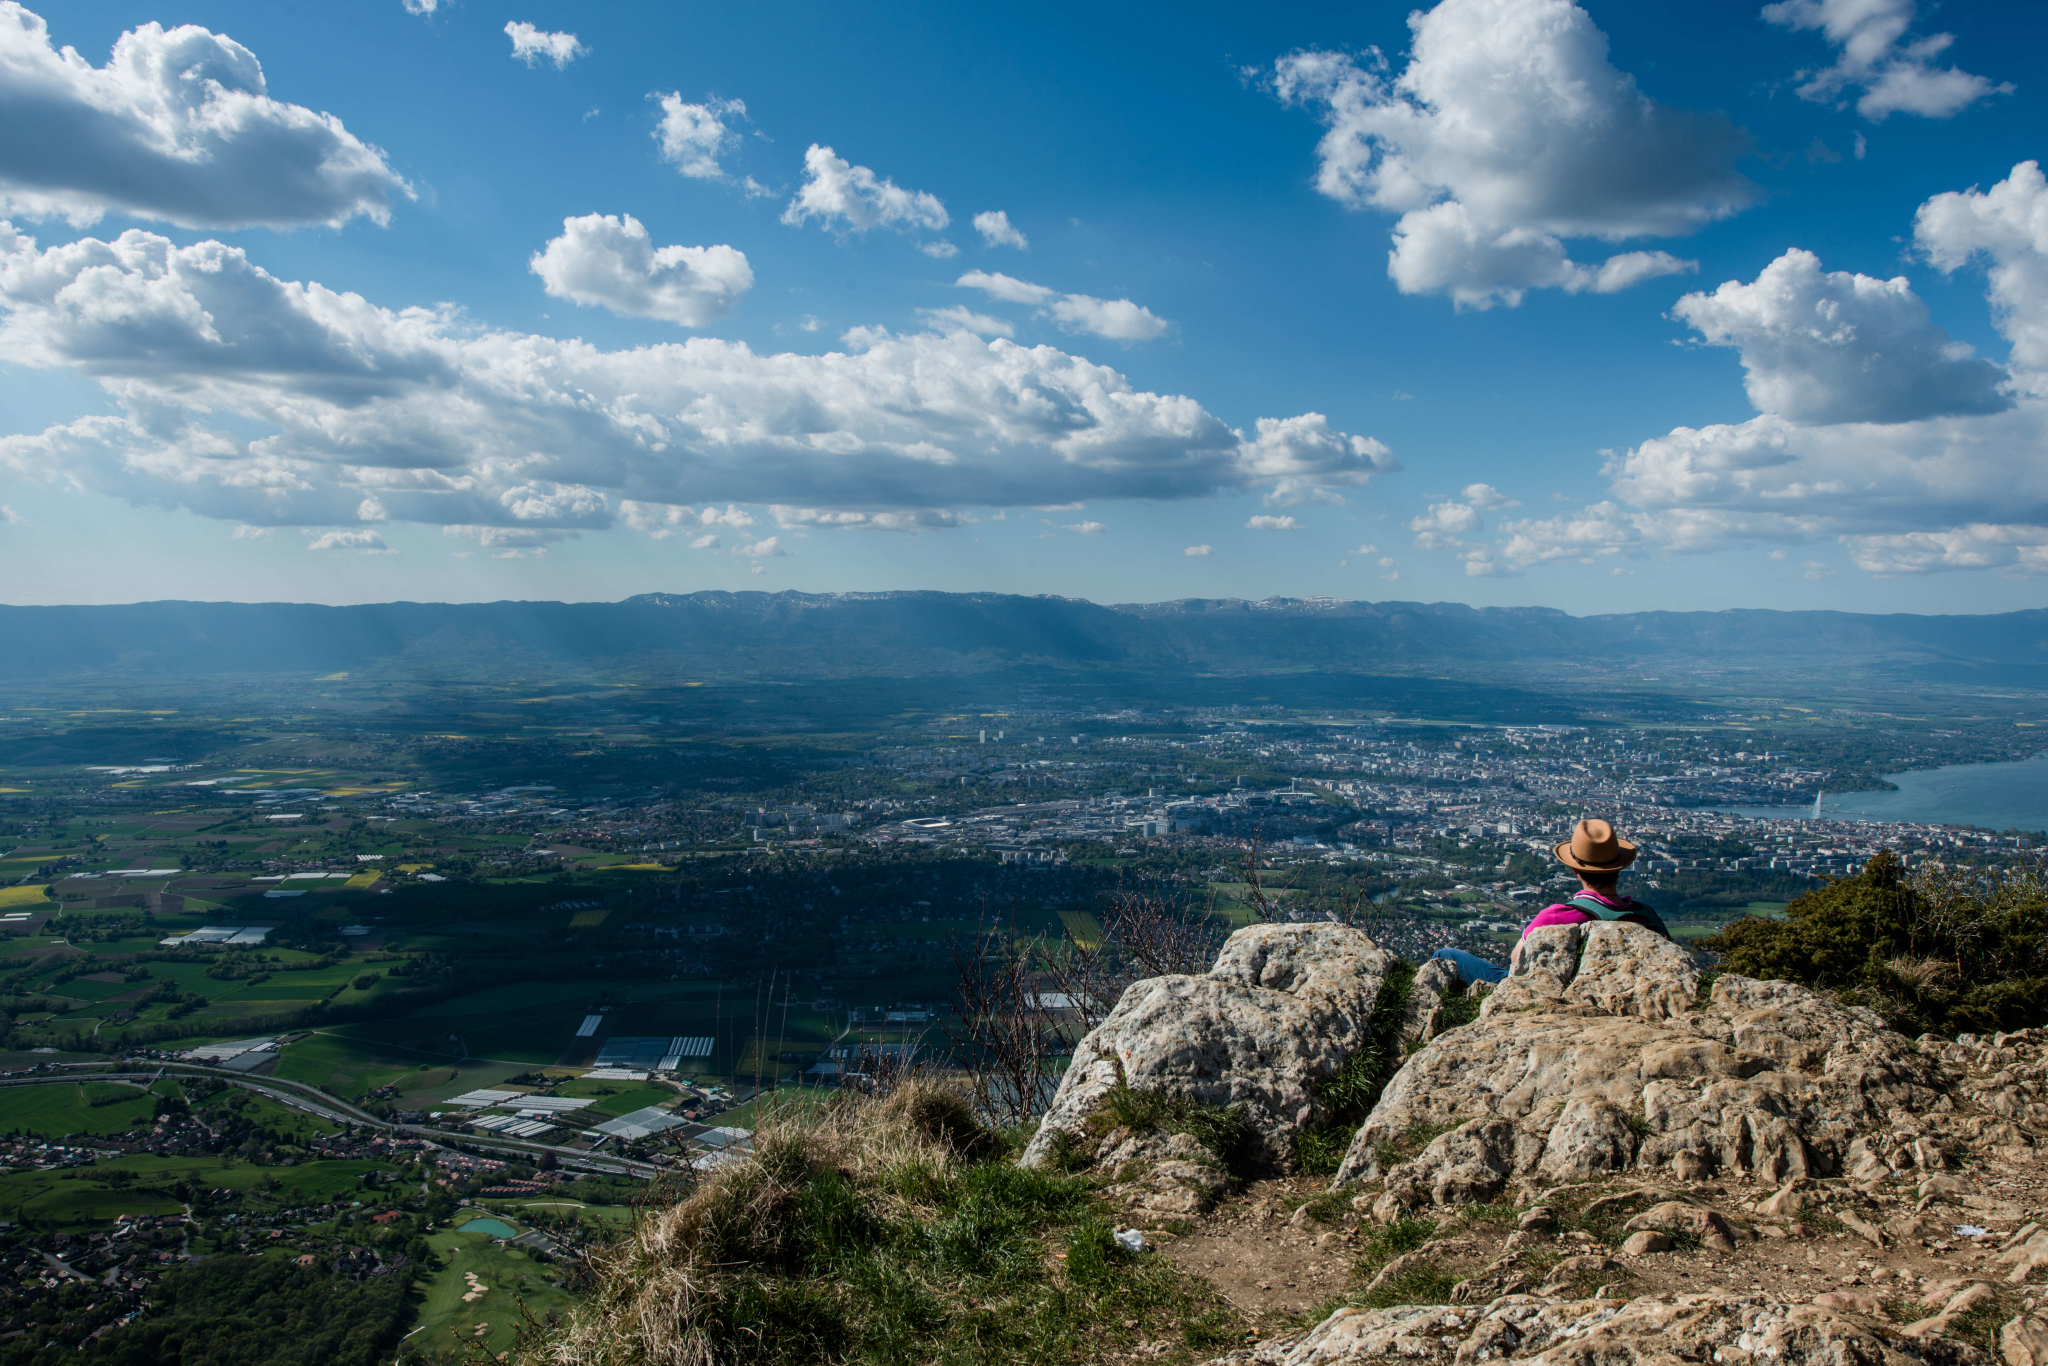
1822, 1220
1459, 1011
1391, 1240
1348, 1095
1703, 990
1327, 1207
1225, 1131
1979, 1324
1424, 1282
1320, 1151
891, 1232
1639, 1125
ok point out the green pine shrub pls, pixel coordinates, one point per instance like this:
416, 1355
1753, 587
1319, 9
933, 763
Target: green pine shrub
1946, 951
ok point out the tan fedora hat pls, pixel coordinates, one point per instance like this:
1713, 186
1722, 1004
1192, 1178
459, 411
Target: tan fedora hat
1595, 848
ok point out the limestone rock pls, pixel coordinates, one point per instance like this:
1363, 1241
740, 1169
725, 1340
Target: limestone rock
2025, 1252
1690, 1329
1679, 1216
1597, 1056
2024, 1341
1281, 1009
1424, 1013
1786, 1204
1439, 975
1645, 1242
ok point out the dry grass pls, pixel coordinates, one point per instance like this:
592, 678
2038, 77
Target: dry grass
881, 1231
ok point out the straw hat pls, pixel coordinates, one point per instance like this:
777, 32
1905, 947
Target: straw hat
1595, 848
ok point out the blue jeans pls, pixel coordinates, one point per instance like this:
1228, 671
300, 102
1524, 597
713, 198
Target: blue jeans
1471, 966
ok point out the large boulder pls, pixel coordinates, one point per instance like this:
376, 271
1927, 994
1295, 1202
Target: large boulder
1281, 1009
1600, 1054
1689, 1329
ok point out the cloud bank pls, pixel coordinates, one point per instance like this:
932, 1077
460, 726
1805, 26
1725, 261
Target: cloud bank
270, 402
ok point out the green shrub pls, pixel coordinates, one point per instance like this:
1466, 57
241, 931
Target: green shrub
1946, 951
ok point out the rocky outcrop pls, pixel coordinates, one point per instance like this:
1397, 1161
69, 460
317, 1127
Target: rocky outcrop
1282, 1008
1160, 1173
1690, 1329
1600, 1054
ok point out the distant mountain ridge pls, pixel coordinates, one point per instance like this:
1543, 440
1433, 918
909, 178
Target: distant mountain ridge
790, 634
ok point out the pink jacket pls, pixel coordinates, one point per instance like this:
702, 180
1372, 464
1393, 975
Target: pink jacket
1562, 914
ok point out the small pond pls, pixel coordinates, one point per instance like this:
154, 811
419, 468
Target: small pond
496, 1228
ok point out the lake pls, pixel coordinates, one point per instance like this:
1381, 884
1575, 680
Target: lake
1994, 796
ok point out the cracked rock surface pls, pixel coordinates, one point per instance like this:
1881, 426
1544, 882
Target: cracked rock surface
1716, 1328
1600, 1054
1282, 1008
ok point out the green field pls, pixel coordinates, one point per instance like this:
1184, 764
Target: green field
345, 1063
60, 1109
448, 1326
142, 1184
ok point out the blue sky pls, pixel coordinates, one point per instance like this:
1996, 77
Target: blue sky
358, 302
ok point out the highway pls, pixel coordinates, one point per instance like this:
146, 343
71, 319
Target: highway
313, 1101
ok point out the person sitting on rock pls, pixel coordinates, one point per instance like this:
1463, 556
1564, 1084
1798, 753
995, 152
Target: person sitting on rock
1598, 856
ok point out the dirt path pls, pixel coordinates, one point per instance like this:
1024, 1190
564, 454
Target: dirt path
1283, 1270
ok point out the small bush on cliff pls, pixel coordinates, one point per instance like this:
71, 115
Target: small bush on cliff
1942, 950
883, 1231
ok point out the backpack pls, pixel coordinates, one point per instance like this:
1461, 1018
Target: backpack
1636, 914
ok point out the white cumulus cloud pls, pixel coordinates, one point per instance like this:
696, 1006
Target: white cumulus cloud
1444, 523
1267, 522
1508, 132
1824, 347
1116, 319
612, 263
178, 126
1307, 458
853, 198
2006, 229
271, 402
994, 227
1198, 550
1896, 73
694, 136
534, 45
1086, 528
